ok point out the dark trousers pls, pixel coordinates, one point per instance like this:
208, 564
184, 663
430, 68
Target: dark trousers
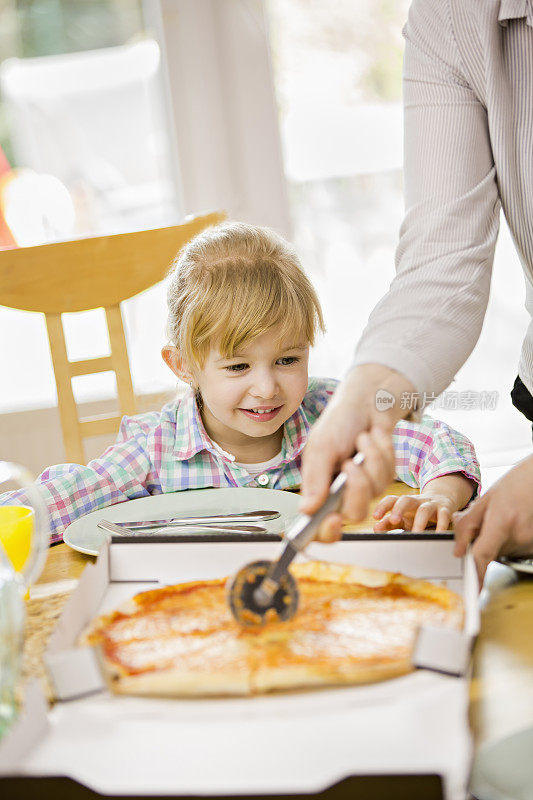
522, 399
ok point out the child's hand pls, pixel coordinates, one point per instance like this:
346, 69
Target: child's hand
413, 512
440, 498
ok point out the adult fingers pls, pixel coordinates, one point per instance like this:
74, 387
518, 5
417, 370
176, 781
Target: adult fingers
358, 491
331, 529
378, 451
372, 465
331, 441
357, 484
489, 543
467, 524
383, 439
319, 465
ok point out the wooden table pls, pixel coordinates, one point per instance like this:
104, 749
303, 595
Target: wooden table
501, 689
502, 680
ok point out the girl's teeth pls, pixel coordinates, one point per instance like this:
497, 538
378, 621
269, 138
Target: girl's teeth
262, 411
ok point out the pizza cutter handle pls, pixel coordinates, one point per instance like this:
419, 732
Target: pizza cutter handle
305, 527
301, 532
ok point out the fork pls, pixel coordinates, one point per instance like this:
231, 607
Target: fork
209, 519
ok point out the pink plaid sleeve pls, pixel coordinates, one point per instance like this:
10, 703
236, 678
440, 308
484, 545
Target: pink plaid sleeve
123, 472
430, 449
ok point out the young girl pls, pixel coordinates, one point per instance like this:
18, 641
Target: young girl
242, 317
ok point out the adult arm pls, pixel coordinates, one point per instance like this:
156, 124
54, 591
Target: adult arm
427, 324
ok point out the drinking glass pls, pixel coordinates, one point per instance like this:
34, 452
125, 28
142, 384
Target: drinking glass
24, 529
12, 616
24, 534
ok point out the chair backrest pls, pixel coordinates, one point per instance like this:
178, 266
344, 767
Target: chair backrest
85, 274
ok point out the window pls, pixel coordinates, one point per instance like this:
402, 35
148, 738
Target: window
85, 127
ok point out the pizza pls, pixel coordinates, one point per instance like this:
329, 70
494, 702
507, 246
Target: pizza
353, 625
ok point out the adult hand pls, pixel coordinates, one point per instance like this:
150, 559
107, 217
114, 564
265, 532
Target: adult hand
501, 521
354, 421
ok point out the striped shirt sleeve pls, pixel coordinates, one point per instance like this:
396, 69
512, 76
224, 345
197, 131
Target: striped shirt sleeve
429, 321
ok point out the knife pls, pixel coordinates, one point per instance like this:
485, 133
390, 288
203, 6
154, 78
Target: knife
122, 530
208, 519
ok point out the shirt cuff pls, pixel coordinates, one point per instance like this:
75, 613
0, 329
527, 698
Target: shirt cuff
469, 473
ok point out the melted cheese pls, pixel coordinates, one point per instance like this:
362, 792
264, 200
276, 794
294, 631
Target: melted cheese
343, 632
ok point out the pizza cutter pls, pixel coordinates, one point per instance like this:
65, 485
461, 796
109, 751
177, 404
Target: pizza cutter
265, 591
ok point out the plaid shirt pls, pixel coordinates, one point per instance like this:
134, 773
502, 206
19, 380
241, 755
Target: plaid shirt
170, 451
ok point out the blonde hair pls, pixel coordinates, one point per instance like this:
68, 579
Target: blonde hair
233, 282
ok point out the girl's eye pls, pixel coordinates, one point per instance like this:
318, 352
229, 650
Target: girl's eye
286, 361
236, 367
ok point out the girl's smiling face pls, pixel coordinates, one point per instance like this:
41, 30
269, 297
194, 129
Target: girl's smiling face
246, 399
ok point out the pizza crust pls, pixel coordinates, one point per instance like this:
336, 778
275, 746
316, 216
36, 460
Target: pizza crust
340, 573
176, 683
298, 677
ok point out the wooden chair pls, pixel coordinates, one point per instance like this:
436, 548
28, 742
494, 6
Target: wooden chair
85, 274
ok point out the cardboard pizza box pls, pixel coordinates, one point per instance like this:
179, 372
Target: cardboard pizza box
282, 743
127, 566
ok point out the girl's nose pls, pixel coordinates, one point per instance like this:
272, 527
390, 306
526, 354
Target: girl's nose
264, 385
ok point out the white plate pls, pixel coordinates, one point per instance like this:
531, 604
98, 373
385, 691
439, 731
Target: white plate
84, 535
519, 564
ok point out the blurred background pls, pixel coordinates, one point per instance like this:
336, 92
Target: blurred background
120, 115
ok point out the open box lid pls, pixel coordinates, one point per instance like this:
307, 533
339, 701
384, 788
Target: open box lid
75, 671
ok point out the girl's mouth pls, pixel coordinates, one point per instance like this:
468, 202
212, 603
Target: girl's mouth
261, 414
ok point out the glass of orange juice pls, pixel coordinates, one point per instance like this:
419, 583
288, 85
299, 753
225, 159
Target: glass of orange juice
24, 523
12, 615
24, 532
16, 529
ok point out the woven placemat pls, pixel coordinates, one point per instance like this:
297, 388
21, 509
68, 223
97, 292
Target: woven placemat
42, 614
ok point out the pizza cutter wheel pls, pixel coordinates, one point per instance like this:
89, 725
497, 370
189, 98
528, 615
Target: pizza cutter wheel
265, 591
244, 605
